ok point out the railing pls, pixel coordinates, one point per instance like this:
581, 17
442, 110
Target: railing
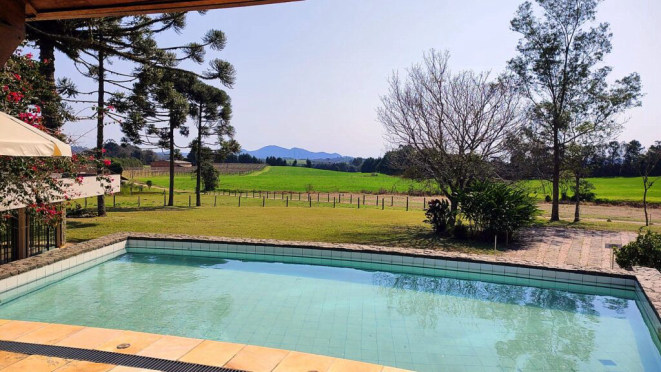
41, 237
8, 237
223, 168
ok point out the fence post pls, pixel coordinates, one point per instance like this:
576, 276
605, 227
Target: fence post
350, 198
407, 203
328, 198
299, 196
317, 197
310, 200
239, 201
287, 205
363, 199
113, 200
263, 202
377, 200
424, 203
215, 199
86, 202
138, 201
189, 204
358, 202
164, 199
495, 242
333, 202
392, 201
383, 204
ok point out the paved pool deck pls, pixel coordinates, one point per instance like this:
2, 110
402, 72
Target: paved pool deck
211, 353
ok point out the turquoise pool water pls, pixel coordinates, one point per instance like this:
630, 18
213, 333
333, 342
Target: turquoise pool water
409, 321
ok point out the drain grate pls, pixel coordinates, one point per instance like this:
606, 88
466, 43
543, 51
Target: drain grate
108, 357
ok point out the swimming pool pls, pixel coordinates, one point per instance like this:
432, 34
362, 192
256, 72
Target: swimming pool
397, 315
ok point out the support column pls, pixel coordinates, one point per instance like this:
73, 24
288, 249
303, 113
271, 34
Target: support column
23, 240
12, 28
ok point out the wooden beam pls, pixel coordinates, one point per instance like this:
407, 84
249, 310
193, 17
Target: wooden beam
126, 7
12, 27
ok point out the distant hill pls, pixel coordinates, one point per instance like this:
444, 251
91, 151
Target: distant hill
293, 153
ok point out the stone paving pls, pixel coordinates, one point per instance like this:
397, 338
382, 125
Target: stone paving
210, 353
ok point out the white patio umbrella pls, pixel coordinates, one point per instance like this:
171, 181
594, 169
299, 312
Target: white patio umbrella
21, 139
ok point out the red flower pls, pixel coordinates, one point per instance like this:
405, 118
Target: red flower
106, 162
46, 60
17, 76
103, 151
28, 56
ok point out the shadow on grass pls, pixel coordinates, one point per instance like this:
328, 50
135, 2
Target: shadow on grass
419, 238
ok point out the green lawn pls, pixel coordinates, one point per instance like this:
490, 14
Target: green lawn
616, 189
299, 179
321, 223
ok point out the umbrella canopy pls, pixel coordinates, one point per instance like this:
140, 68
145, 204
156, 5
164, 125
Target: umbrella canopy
21, 139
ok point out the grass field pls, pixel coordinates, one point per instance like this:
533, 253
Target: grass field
344, 224
299, 179
615, 189
322, 222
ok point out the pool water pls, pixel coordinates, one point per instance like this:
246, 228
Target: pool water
409, 321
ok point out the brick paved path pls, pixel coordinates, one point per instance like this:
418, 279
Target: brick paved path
560, 246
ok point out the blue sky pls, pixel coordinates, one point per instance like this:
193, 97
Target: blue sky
309, 74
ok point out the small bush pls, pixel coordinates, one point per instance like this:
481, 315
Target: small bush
644, 251
585, 192
439, 215
548, 198
494, 208
209, 175
150, 184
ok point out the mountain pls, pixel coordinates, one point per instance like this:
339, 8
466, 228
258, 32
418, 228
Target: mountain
293, 153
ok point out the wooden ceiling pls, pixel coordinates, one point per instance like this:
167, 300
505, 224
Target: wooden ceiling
39, 10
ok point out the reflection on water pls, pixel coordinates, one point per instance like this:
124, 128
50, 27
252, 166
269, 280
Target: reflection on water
409, 321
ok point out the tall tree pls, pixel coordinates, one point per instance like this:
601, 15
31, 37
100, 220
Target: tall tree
455, 123
211, 108
559, 70
93, 44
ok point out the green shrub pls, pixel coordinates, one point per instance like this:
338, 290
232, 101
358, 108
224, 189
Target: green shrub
644, 251
585, 191
548, 198
494, 208
209, 175
439, 215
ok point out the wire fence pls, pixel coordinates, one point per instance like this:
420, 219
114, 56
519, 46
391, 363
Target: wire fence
223, 168
263, 199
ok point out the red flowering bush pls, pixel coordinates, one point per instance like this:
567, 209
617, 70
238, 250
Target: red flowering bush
36, 182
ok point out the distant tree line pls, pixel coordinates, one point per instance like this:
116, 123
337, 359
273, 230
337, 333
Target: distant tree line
243, 159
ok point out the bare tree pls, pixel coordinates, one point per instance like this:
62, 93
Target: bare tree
647, 165
455, 123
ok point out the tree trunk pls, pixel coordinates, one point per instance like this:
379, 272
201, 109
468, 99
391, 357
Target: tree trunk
47, 69
101, 199
555, 207
198, 158
577, 195
171, 139
647, 219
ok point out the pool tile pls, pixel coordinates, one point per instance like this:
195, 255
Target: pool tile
82, 366
257, 359
170, 347
343, 365
137, 341
7, 358
36, 363
300, 362
50, 334
12, 330
90, 337
212, 353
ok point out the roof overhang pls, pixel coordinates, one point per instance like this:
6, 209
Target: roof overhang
39, 10
15, 12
